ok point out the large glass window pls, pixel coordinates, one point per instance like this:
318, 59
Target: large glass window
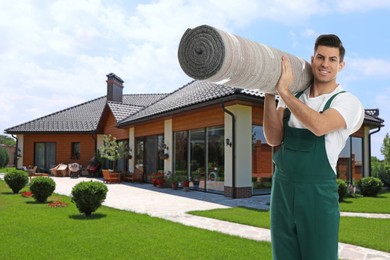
180, 140
350, 162
75, 151
153, 162
199, 155
45, 156
215, 159
123, 163
139, 154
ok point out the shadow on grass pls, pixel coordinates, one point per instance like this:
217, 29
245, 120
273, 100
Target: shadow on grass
94, 216
36, 202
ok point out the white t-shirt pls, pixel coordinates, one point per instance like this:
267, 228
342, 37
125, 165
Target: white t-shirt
350, 108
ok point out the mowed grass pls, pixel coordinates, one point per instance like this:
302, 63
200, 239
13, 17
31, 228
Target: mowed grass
30, 230
365, 232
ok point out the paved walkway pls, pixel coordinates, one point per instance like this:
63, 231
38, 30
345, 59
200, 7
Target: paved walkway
173, 205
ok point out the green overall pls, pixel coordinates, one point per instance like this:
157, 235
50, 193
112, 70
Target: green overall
305, 213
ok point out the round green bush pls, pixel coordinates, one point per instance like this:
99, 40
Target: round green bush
343, 188
370, 186
88, 196
16, 180
42, 188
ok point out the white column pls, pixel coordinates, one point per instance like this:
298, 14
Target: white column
243, 142
168, 135
20, 147
131, 147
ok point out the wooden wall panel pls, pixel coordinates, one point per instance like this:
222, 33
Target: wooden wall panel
63, 147
150, 128
110, 128
198, 119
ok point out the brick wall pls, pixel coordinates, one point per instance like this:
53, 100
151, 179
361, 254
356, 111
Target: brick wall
241, 192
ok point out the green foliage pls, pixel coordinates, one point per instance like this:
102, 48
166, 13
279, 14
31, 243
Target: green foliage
88, 196
385, 148
4, 157
42, 188
343, 188
381, 170
6, 140
16, 180
370, 186
113, 150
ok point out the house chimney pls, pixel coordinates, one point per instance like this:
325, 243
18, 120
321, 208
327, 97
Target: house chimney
114, 88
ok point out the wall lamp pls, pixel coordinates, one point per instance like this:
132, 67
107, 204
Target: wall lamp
228, 142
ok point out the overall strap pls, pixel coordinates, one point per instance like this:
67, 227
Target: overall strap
327, 105
287, 112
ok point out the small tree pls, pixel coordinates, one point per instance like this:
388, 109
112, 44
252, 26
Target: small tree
113, 150
385, 148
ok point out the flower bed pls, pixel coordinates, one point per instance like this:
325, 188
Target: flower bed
27, 194
58, 204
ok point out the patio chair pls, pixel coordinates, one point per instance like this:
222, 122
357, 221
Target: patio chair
32, 171
136, 176
111, 177
61, 170
74, 170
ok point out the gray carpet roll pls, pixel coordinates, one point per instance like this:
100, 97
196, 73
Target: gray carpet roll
206, 53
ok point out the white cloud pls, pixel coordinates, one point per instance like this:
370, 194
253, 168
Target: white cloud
370, 67
361, 5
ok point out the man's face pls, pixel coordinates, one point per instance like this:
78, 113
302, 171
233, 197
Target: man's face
326, 64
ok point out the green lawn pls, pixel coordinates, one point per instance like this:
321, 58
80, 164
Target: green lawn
30, 230
370, 233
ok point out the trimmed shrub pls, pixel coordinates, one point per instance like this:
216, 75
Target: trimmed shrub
370, 186
42, 188
343, 188
88, 196
16, 180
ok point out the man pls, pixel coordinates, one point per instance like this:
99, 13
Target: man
312, 128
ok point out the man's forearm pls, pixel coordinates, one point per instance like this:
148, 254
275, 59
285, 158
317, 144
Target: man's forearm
272, 121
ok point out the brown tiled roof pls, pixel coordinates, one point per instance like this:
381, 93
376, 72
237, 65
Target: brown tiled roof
85, 117
193, 93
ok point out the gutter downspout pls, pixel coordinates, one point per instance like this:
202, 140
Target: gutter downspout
369, 150
234, 193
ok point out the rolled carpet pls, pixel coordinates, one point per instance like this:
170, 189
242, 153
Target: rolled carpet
207, 53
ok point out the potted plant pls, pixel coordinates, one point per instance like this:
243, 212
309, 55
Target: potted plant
158, 179
185, 184
173, 179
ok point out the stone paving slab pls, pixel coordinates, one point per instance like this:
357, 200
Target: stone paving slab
173, 205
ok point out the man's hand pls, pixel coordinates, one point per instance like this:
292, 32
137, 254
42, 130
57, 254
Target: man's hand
286, 77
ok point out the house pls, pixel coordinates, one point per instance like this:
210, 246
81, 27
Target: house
206, 131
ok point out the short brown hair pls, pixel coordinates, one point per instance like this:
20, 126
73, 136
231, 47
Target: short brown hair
330, 40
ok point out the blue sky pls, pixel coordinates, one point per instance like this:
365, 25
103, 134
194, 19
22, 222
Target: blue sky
56, 54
